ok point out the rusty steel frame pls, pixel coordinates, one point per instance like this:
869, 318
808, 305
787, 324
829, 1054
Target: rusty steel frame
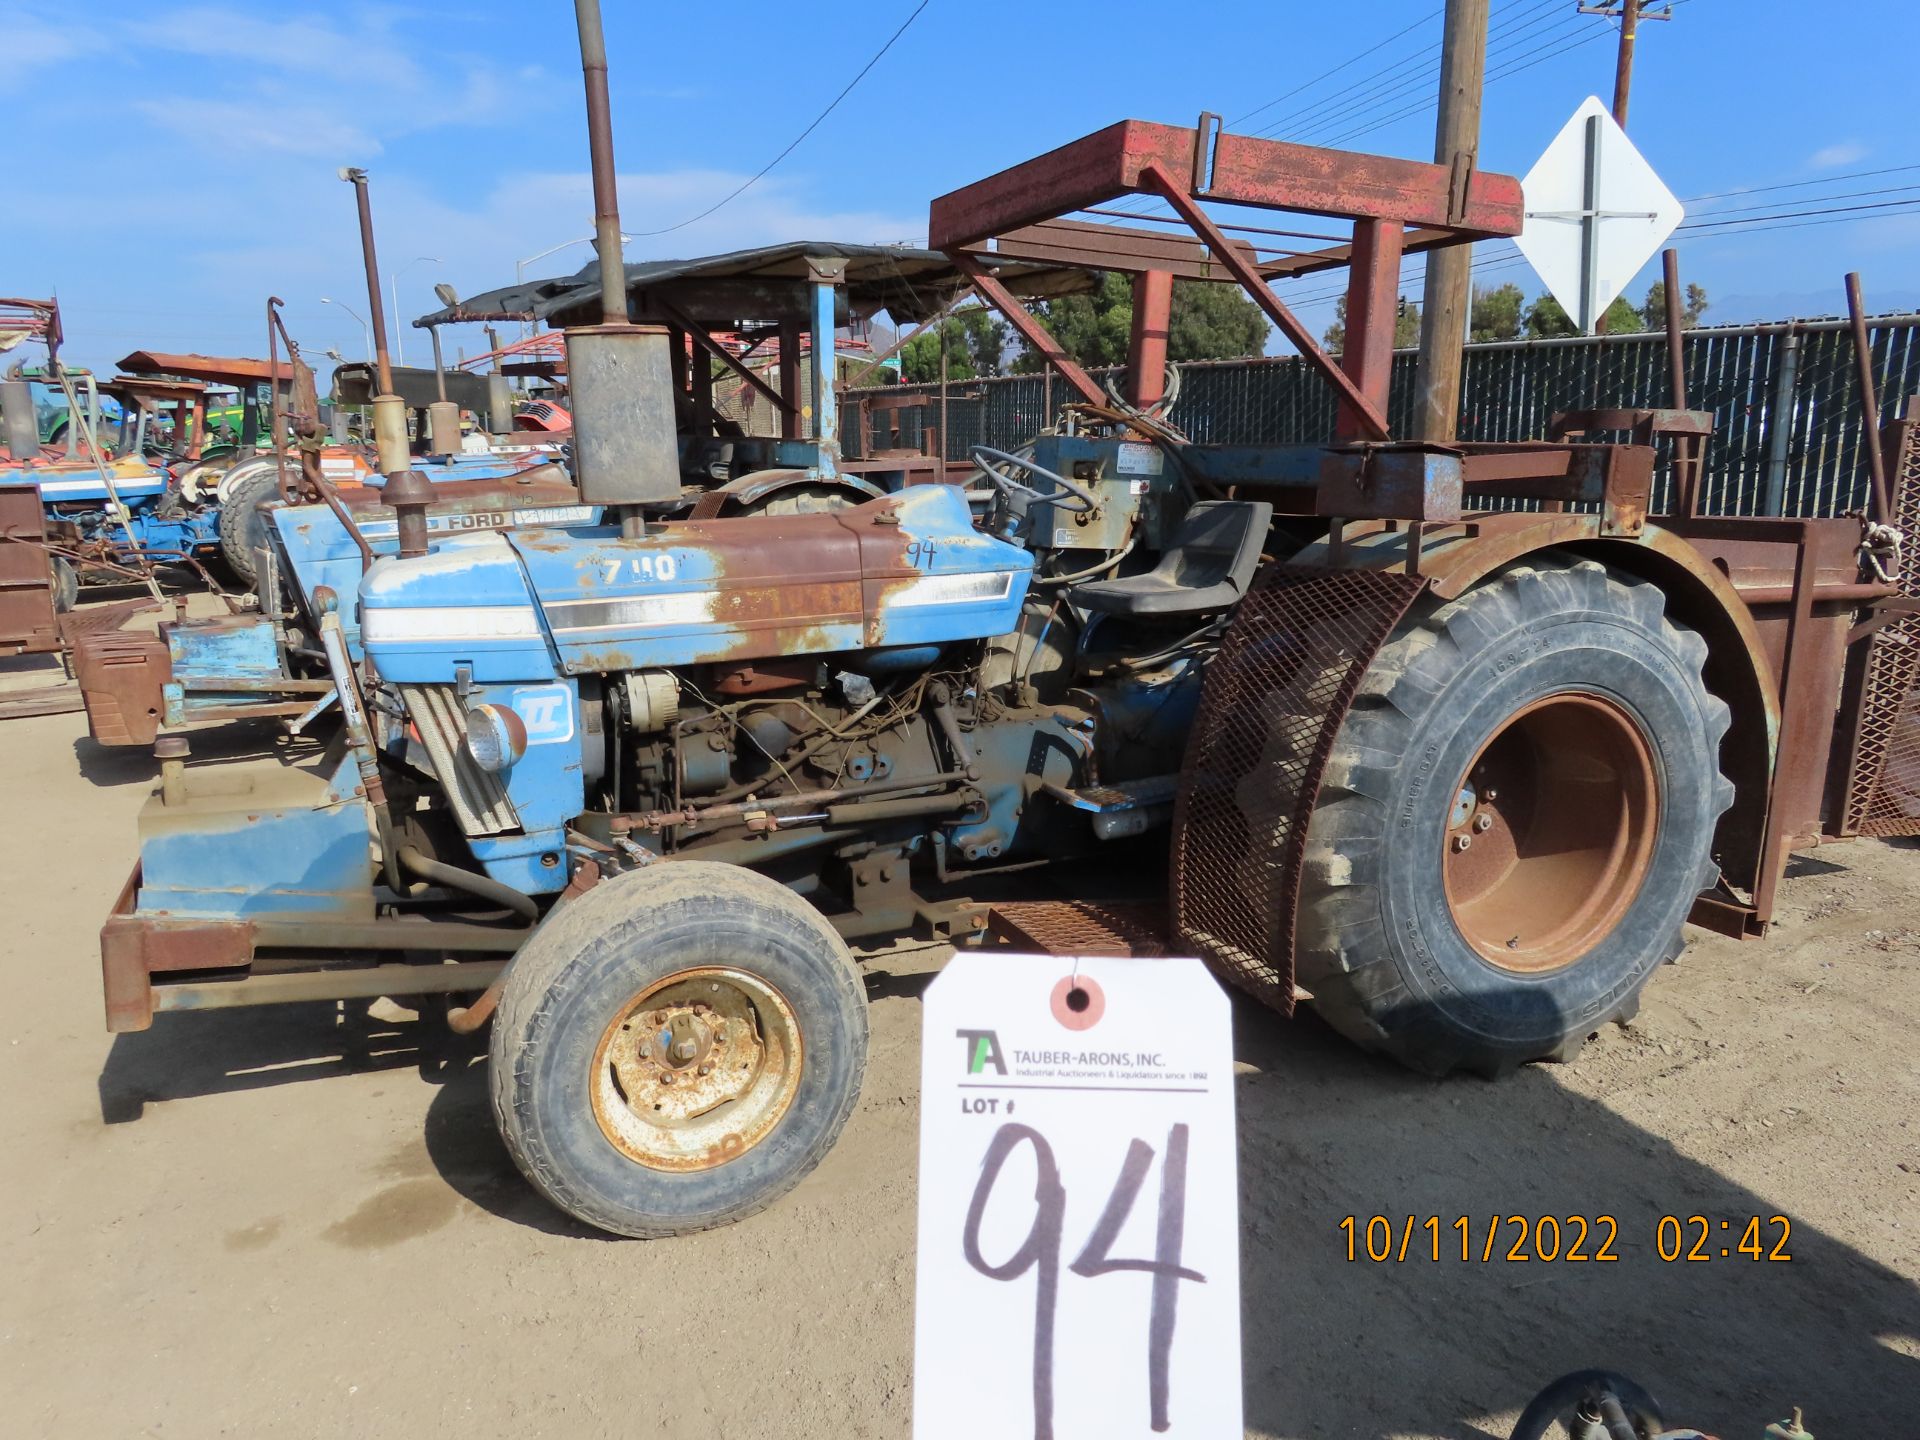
1781, 628
1396, 206
149, 963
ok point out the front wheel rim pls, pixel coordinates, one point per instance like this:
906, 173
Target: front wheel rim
696, 1069
1551, 832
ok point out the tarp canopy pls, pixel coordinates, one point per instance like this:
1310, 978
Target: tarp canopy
762, 286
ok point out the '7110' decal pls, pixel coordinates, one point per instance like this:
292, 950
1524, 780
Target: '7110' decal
641, 567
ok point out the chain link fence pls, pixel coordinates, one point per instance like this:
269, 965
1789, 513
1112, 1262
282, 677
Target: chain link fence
1785, 401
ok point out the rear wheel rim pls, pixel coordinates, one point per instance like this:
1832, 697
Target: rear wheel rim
696, 1069
1551, 832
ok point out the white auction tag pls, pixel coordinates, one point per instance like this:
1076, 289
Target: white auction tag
1079, 1261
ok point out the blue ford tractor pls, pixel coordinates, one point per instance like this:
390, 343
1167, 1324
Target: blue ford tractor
1457, 775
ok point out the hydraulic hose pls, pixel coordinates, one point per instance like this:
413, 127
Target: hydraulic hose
481, 887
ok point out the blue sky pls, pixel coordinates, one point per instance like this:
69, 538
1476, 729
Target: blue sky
184, 155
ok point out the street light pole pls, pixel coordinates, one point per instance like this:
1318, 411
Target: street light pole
393, 284
366, 335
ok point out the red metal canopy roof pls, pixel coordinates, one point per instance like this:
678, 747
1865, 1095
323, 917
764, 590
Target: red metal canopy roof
216, 369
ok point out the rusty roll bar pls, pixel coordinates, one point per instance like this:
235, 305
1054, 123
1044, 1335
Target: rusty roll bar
1869, 401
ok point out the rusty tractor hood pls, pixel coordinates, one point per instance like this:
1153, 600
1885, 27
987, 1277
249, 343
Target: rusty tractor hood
902, 572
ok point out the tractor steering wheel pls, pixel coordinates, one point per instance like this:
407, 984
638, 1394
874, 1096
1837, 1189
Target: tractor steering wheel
989, 462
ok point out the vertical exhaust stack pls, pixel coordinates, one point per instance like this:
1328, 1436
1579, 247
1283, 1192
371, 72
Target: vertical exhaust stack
22, 425
499, 406
407, 490
626, 452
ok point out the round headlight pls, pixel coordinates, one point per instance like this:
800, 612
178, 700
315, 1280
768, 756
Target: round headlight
496, 736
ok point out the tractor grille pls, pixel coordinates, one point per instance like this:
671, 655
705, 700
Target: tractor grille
1274, 699
478, 797
1883, 792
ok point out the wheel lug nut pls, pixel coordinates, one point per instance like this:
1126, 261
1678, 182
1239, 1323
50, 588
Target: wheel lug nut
1483, 822
1462, 842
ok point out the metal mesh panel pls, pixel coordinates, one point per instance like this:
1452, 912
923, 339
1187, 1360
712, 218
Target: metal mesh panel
1883, 793
1274, 699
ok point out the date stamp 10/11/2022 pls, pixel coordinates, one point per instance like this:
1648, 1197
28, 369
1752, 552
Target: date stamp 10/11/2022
1597, 1239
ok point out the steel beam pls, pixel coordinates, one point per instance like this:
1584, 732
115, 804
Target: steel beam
1368, 419
1147, 346
1031, 330
1240, 169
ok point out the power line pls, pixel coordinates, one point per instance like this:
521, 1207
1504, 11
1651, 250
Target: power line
1329, 74
1802, 184
1501, 40
795, 143
1808, 224
1797, 214
1349, 101
1390, 79
1510, 70
1838, 195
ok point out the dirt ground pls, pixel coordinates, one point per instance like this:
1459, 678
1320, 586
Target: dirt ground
299, 1221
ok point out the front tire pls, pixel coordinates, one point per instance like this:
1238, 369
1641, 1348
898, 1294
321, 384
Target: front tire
242, 528
677, 1048
1516, 817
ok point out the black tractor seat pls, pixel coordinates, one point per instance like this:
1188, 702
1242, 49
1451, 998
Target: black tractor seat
1207, 568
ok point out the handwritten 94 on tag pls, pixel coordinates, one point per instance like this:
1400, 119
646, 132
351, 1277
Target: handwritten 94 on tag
1078, 1268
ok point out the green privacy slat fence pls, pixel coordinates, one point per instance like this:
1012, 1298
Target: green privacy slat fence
1785, 400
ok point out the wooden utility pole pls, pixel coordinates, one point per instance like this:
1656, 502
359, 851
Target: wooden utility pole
1629, 13
1448, 296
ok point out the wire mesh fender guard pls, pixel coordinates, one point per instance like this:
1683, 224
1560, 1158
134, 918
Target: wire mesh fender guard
1273, 702
1883, 793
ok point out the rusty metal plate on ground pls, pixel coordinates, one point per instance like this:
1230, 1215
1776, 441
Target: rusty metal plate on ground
1274, 699
1883, 792
1081, 927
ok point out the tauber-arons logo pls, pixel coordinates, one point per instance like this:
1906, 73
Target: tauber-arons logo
983, 1049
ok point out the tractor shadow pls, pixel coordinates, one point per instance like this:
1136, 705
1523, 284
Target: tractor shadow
218, 1052
1332, 1346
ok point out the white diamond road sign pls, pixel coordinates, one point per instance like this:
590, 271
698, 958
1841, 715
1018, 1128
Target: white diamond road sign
1596, 213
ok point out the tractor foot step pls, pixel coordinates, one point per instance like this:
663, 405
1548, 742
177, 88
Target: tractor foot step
1125, 795
1081, 927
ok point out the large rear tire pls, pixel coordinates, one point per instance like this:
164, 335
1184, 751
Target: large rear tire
677, 1048
243, 529
1516, 817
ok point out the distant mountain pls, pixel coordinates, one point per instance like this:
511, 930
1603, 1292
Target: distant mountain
1805, 305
